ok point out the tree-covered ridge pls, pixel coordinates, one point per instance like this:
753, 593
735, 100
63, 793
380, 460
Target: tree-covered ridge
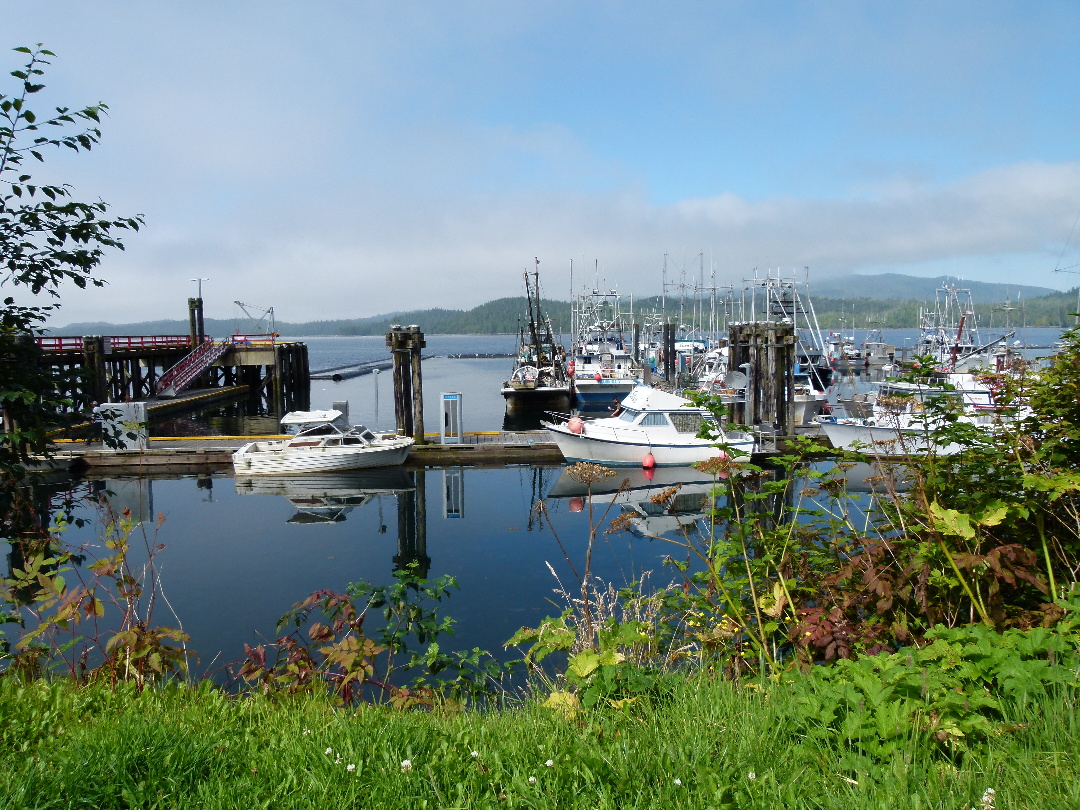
505, 315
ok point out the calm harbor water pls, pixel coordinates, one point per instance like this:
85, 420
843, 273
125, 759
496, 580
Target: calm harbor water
236, 557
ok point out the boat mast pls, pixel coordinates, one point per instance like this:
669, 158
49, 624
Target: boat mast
532, 317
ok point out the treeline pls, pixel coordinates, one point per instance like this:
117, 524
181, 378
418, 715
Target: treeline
506, 315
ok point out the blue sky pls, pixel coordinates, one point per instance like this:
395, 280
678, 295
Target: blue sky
346, 159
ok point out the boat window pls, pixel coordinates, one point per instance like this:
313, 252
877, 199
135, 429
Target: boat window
654, 420
364, 433
628, 415
686, 422
332, 442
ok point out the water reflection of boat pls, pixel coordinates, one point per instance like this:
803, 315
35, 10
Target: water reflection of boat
329, 497
633, 491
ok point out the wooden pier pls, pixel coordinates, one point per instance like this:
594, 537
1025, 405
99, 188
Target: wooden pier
272, 374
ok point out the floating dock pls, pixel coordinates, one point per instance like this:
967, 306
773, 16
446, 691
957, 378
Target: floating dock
209, 454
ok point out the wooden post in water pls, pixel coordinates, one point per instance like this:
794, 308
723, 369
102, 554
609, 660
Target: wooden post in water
406, 345
416, 345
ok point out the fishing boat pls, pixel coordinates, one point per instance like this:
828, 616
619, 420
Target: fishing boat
650, 428
603, 365
323, 441
539, 380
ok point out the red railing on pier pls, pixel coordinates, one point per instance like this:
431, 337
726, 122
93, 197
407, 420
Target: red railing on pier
75, 343
180, 376
62, 343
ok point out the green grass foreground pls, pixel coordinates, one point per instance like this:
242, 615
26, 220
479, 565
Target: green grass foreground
707, 743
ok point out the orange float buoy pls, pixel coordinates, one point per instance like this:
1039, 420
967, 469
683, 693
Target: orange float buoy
648, 472
648, 462
575, 425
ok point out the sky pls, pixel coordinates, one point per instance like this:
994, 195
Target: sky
350, 159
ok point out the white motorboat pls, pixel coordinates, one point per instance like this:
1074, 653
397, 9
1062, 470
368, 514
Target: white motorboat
899, 423
649, 422
322, 442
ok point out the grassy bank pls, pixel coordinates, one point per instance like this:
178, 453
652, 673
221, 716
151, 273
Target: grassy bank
703, 743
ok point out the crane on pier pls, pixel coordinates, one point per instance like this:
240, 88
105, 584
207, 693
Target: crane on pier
264, 314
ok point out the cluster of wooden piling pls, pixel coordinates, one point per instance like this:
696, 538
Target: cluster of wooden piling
406, 343
765, 352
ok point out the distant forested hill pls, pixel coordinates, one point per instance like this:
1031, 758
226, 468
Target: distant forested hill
895, 287
995, 305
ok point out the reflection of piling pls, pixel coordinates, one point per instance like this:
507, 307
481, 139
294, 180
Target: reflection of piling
412, 527
405, 345
765, 352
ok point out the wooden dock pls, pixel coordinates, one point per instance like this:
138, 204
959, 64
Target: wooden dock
209, 454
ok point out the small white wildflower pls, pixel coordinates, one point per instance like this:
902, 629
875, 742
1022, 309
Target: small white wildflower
350, 767
329, 751
751, 775
406, 765
550, 763
988, 799
337, 759
532, 780
474, 754
307, 731
678, 782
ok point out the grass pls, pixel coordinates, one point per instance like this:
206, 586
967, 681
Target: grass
709, 744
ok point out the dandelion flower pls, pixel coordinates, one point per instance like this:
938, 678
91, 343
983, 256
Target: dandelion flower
751, 776
550, 763
532, 780
406, 765
678, 782
350, 767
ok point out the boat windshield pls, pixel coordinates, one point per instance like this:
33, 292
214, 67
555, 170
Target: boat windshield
686, 421
629, 415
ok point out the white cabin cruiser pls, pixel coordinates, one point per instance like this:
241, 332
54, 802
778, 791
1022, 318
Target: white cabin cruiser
899, 424
649, 422
322, 442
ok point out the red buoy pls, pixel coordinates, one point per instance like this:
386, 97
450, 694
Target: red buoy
577, 504
648, 462
648, 472
576, 424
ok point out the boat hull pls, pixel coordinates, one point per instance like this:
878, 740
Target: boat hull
624, 449
540, 398
882, 440
276, 458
